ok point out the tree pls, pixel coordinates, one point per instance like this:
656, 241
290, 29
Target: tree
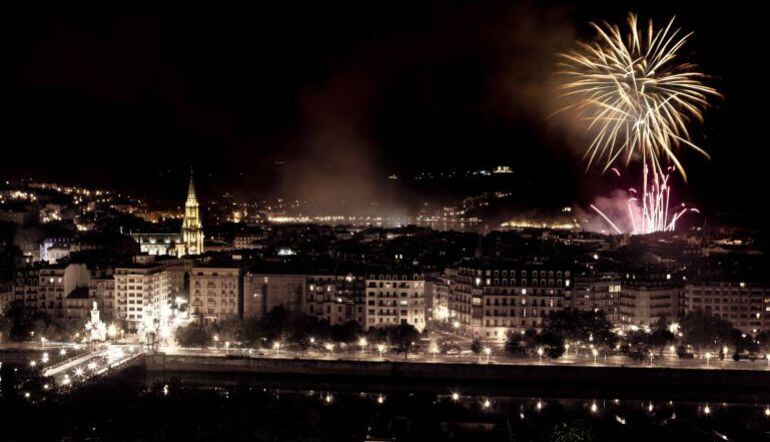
403, 336
347, 332
520, 344
551, 343
230, 329
476, 346
701, 329
582, 326
193, 335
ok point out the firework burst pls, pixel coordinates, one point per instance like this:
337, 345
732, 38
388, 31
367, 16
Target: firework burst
634, 91
637, 96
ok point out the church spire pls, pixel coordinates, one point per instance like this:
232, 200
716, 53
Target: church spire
191, 187
192, 230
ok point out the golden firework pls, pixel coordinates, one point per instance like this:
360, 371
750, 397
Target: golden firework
636, 94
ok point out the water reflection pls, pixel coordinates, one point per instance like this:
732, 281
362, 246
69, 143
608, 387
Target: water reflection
388, 413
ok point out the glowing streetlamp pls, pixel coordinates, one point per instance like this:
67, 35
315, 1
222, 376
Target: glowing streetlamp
43, 341
540, 353
434, 350
112, 331
363, 343
708, 358
276, 347
456, 397
488, 352
381, 349
329, 346
595, 352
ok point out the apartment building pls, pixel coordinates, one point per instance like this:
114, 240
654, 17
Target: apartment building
141, 294
492, 299
395, 298
336, 298
216, 293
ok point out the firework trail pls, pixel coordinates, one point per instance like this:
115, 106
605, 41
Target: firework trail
636, 94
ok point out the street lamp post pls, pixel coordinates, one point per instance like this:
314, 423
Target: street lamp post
488, 352
595, 352
363, 343
540, 354
708, 358
434, 350
381, 349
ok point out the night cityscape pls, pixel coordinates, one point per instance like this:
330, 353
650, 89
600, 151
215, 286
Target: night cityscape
384, 221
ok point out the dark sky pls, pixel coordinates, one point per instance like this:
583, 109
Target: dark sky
343, 93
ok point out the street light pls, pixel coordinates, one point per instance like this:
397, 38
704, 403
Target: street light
112, 331
595, 352
540, 353
434, 350
708, 358
381, 349
488, 352
276, 347
363, 343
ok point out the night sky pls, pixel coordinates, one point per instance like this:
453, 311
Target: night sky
326, 99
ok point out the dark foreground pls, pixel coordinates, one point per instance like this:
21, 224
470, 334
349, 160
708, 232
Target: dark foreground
136, 405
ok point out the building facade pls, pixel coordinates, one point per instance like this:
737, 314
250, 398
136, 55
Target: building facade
645, 299
395, 298
745, 305
491, 300
216, 293
596, 292
265, 291
336, 299
141, 294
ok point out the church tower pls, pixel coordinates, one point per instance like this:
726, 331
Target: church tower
192, 229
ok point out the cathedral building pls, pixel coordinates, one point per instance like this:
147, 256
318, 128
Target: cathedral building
188, 242
192, 229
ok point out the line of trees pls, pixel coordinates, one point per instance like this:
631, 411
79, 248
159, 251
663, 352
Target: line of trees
297, 331
698, 331
19, 324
